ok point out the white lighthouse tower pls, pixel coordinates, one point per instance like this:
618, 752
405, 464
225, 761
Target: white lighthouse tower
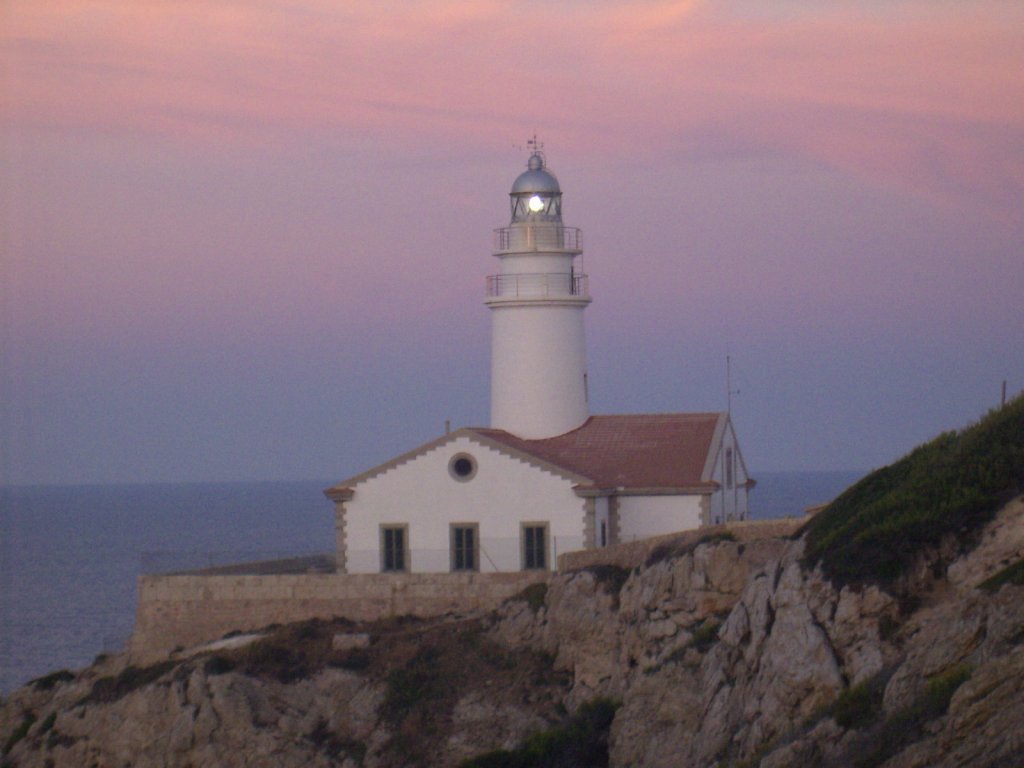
538, 355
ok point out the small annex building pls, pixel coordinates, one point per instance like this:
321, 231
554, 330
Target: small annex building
546, 477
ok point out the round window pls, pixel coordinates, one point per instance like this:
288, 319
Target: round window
462, 467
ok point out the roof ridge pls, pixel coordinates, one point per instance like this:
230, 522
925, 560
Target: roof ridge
654, 450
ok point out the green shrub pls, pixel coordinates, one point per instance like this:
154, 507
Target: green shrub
219, 665
940, 690
679, 547
335, 746
534, 595
611, 577
289, 653
425, 673
276, 659
354, 660
894, 734
19, 733
309, 630
860, 705
57, 739
416, 683
110, 689
705, 635
908, 725
952, 485
499, 758
47, 724
49, 681
581, 741
1011, 574
888, 626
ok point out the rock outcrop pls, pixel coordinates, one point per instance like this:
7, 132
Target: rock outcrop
719, 653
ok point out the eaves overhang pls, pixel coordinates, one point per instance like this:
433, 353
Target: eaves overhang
346, 488
338, 493
703, 489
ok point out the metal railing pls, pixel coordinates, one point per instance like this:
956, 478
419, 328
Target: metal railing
533, 237
493, 554
537, 285
237, 560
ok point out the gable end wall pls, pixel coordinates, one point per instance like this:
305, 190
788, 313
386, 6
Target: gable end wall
503, 493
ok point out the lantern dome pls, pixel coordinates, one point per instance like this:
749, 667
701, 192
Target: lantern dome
535, 194
536, 179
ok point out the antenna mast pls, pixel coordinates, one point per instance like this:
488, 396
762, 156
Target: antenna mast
729, 391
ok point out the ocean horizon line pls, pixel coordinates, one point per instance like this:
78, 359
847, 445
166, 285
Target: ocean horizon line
329, 481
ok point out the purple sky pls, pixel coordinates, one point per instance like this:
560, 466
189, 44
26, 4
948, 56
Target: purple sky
248, 241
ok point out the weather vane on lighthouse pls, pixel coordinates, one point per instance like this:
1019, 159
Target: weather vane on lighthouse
534, 145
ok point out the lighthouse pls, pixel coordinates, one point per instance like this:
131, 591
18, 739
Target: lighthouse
547, 476
537, 298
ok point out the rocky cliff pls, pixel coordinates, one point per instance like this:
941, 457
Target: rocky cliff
717, 652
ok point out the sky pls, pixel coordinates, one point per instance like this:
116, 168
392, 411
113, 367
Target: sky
248, 240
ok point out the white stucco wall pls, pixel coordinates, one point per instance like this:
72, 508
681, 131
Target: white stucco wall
729, 503
502, 495
538, 367
643, 516
536, 262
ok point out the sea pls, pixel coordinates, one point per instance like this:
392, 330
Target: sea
70, 556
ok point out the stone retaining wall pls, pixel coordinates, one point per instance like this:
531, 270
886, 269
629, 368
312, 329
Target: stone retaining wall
634, 553
184, 610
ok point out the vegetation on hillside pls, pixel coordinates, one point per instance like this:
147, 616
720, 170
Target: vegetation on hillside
950, 486
581, 741
684, 545
424, 666
1011, 574
890, 734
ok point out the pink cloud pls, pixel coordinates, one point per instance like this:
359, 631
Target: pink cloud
926, 100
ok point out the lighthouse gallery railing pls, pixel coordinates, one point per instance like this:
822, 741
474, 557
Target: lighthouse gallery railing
538, 237
544, 284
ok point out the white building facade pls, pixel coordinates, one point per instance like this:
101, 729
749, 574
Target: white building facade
447, 521
547, 477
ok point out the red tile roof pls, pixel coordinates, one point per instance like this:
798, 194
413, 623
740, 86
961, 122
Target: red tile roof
665, 450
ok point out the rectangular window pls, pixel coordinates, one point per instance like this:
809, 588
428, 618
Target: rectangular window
392, 547
535, 547
465, 547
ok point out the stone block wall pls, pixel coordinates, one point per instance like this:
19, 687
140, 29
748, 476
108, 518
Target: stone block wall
634, 553
184, 610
